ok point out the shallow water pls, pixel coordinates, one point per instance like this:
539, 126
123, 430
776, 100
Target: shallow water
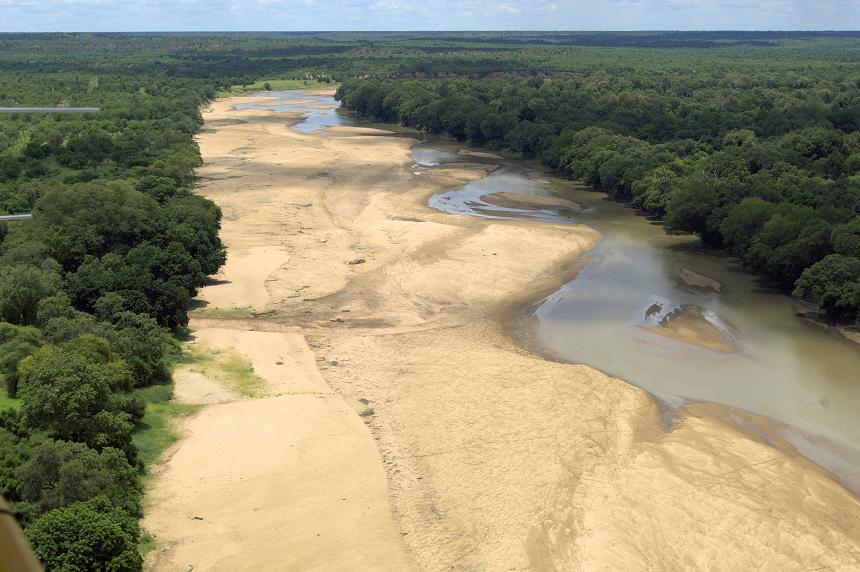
784, 368
801, 375
313, 119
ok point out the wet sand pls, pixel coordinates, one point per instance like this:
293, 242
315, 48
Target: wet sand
514, 200
482, 154
689, 325
404, 428
700, 281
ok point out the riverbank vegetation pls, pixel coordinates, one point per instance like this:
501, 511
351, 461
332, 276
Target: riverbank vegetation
93, 293
761, 159
274, 85
747, 139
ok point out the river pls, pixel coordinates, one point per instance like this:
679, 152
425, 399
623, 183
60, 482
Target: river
782, 367
318, 111
805, 377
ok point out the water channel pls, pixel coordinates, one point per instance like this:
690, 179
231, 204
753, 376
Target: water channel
781, 366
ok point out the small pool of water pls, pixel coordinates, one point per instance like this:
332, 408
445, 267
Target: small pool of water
318, 111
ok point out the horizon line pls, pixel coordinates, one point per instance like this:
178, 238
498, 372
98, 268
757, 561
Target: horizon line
557, 31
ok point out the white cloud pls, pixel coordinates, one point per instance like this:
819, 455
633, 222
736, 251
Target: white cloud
132, 15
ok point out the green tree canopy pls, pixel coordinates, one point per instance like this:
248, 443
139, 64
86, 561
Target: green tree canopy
22, 287
88, 536
834, 284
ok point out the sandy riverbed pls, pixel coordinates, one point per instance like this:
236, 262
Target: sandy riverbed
404, 428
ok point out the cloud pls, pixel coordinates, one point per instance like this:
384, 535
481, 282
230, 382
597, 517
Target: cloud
172, 15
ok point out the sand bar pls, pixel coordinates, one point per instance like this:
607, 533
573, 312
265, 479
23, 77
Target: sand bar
524, 201
482, 154
687, 324
399, 386
699, 281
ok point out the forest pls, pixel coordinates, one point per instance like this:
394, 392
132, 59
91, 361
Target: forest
94, 293
748, 140
763, 163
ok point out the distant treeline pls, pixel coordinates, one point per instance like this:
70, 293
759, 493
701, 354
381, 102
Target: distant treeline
754, 148
656, 39
765, 165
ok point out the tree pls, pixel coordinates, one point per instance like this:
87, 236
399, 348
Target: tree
834, 284
146, 347
194, 222
112, 429
58, 473
792, 239
67, 394
846, 238
690, 209
21, 289
161, 189
654, 191
16, 343
14, 451
62, 391
87, 536
745, 220
97, 349
57, 306
74, 222
148, 280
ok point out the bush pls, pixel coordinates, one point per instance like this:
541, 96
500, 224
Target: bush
90, 536
834, 284
58, 473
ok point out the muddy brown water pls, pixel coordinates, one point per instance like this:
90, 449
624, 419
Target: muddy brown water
804, 377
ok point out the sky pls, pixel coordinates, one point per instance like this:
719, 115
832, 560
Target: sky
301, 15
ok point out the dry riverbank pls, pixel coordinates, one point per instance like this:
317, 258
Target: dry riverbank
402, 427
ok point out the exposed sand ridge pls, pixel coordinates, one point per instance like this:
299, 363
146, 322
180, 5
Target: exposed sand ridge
402, 427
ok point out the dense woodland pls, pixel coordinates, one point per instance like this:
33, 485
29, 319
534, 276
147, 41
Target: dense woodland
748, 140
93, 292
761, 161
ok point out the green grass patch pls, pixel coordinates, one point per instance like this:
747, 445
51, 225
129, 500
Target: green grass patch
146, 543
223, 313
275, 85
227, 368
231, 313
156, 431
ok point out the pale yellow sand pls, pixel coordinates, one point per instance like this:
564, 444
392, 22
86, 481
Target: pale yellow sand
480, 455
242, 280
194, 388
290, 481
851, 334
321, 91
